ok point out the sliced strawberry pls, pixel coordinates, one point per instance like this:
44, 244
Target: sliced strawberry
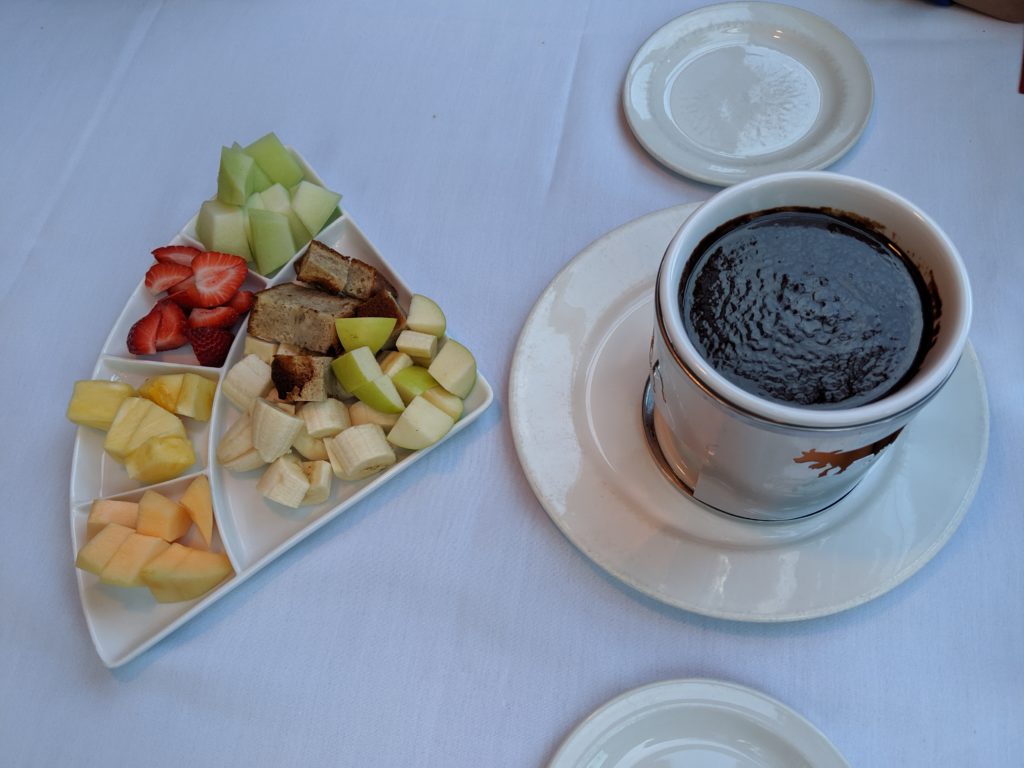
165, 274
142, 336
211, 345
183, 293
173, 331
241, 302
216, 278
176, 254
217, 317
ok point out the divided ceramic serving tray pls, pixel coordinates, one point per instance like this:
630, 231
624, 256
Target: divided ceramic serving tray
249, 528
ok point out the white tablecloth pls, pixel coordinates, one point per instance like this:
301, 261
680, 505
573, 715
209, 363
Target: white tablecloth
445, 621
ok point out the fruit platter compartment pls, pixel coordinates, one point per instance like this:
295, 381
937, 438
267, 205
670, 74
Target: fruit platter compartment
248, 527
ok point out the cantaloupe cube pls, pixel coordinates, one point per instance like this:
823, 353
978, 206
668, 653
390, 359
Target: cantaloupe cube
95, 403
160, 458
94, 556
199, 505
196, 397
105, 511
163, 390
160, 516
185, 573
122, 570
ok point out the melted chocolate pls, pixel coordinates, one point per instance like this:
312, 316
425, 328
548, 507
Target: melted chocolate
807, 307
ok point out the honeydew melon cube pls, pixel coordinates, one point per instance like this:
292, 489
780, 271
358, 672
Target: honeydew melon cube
234, 179
258, 178
221, 227
272, 241
275, 198
314, 205
275, 160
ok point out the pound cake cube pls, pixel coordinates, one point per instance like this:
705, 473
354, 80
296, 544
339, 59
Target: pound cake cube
330, 271
301, 378
300, 315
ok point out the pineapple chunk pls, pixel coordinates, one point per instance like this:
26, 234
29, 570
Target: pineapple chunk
183, 573
160, 516
196, 397
160, 458
104, 511
95, 403
163, 390
124, 567
94, 556
199, 505
136, 421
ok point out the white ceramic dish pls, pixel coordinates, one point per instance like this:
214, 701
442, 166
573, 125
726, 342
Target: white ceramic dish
737, 90
575, 407
696, 723
252, 530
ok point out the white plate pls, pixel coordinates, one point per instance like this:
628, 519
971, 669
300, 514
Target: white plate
738, 90
575, 407
253, 531
697, 724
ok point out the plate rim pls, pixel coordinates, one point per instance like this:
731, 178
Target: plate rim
884, 585
747, 170
662, 690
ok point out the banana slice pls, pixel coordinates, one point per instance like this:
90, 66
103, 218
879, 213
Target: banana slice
319, 474
325, 418
247, 380
273, 430
361, 413
284, 482
311, 448
359, 452
236, 441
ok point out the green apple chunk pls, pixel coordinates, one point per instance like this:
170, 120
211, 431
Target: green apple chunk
371, 332
234, 179
272, 241
355, 368
420, 425
314, 205
275, 198
380, 394
425, 316
446, 401
454, 368
413, 381
222, 227
275, 160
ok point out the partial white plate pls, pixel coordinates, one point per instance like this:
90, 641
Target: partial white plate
696, 723
733, 91
251, 530
575, 407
